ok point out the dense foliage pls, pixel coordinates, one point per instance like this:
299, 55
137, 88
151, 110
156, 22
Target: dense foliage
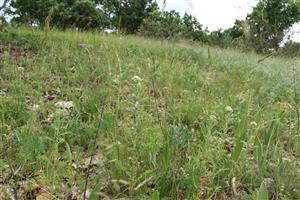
262, 30
127, 15
171, 25
3, 5
269, 21
82, 14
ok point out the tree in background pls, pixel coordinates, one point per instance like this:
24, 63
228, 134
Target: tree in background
3, 22
86, 15
268, 22
263, 29
31, 11
164, 24
236, 36
82, 14
236, 31
192, 29
127, 15
4, 4
170, 25
290, 49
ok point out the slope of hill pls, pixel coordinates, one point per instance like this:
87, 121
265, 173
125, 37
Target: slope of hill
124, 117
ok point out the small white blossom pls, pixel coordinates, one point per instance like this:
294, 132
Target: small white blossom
228, 109
65, 105
253, 124
137, 79
20, 69
213, 118
286, 159
136, 104
35, 107
116, 81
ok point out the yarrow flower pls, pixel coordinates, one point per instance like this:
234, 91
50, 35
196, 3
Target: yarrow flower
228, 109
137, 79
253, 123
65, 104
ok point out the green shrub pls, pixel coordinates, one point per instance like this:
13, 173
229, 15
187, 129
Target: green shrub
290, 49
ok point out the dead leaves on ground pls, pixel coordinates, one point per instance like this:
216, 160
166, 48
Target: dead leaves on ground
15, 52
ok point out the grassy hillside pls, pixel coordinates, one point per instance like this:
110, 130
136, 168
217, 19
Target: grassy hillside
123, 117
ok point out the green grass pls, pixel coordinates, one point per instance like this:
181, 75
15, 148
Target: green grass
162, 120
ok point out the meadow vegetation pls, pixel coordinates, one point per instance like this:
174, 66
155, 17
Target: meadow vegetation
99, 116
265, 29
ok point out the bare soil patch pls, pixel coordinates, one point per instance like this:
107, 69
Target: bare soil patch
15, 52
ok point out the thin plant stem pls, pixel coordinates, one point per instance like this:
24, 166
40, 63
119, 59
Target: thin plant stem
92, 154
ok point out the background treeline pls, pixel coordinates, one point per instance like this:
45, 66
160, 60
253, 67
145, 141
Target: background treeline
263, 30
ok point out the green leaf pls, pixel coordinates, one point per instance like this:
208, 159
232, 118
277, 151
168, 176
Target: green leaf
258, 152
263, 192
155, 196
2, 164
240, 137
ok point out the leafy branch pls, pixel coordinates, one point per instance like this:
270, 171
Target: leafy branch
4, 4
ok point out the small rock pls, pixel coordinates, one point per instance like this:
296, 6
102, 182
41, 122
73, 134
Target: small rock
85, 46
269, 182
65, 105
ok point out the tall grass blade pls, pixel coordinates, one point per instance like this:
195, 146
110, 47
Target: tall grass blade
262, 192
240, 137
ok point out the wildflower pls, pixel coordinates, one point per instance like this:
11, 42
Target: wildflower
116, 81
253, 124
228, 109
136, 105
137, 79
35, 107
65, 105
20, 69
286, 159
213, 118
